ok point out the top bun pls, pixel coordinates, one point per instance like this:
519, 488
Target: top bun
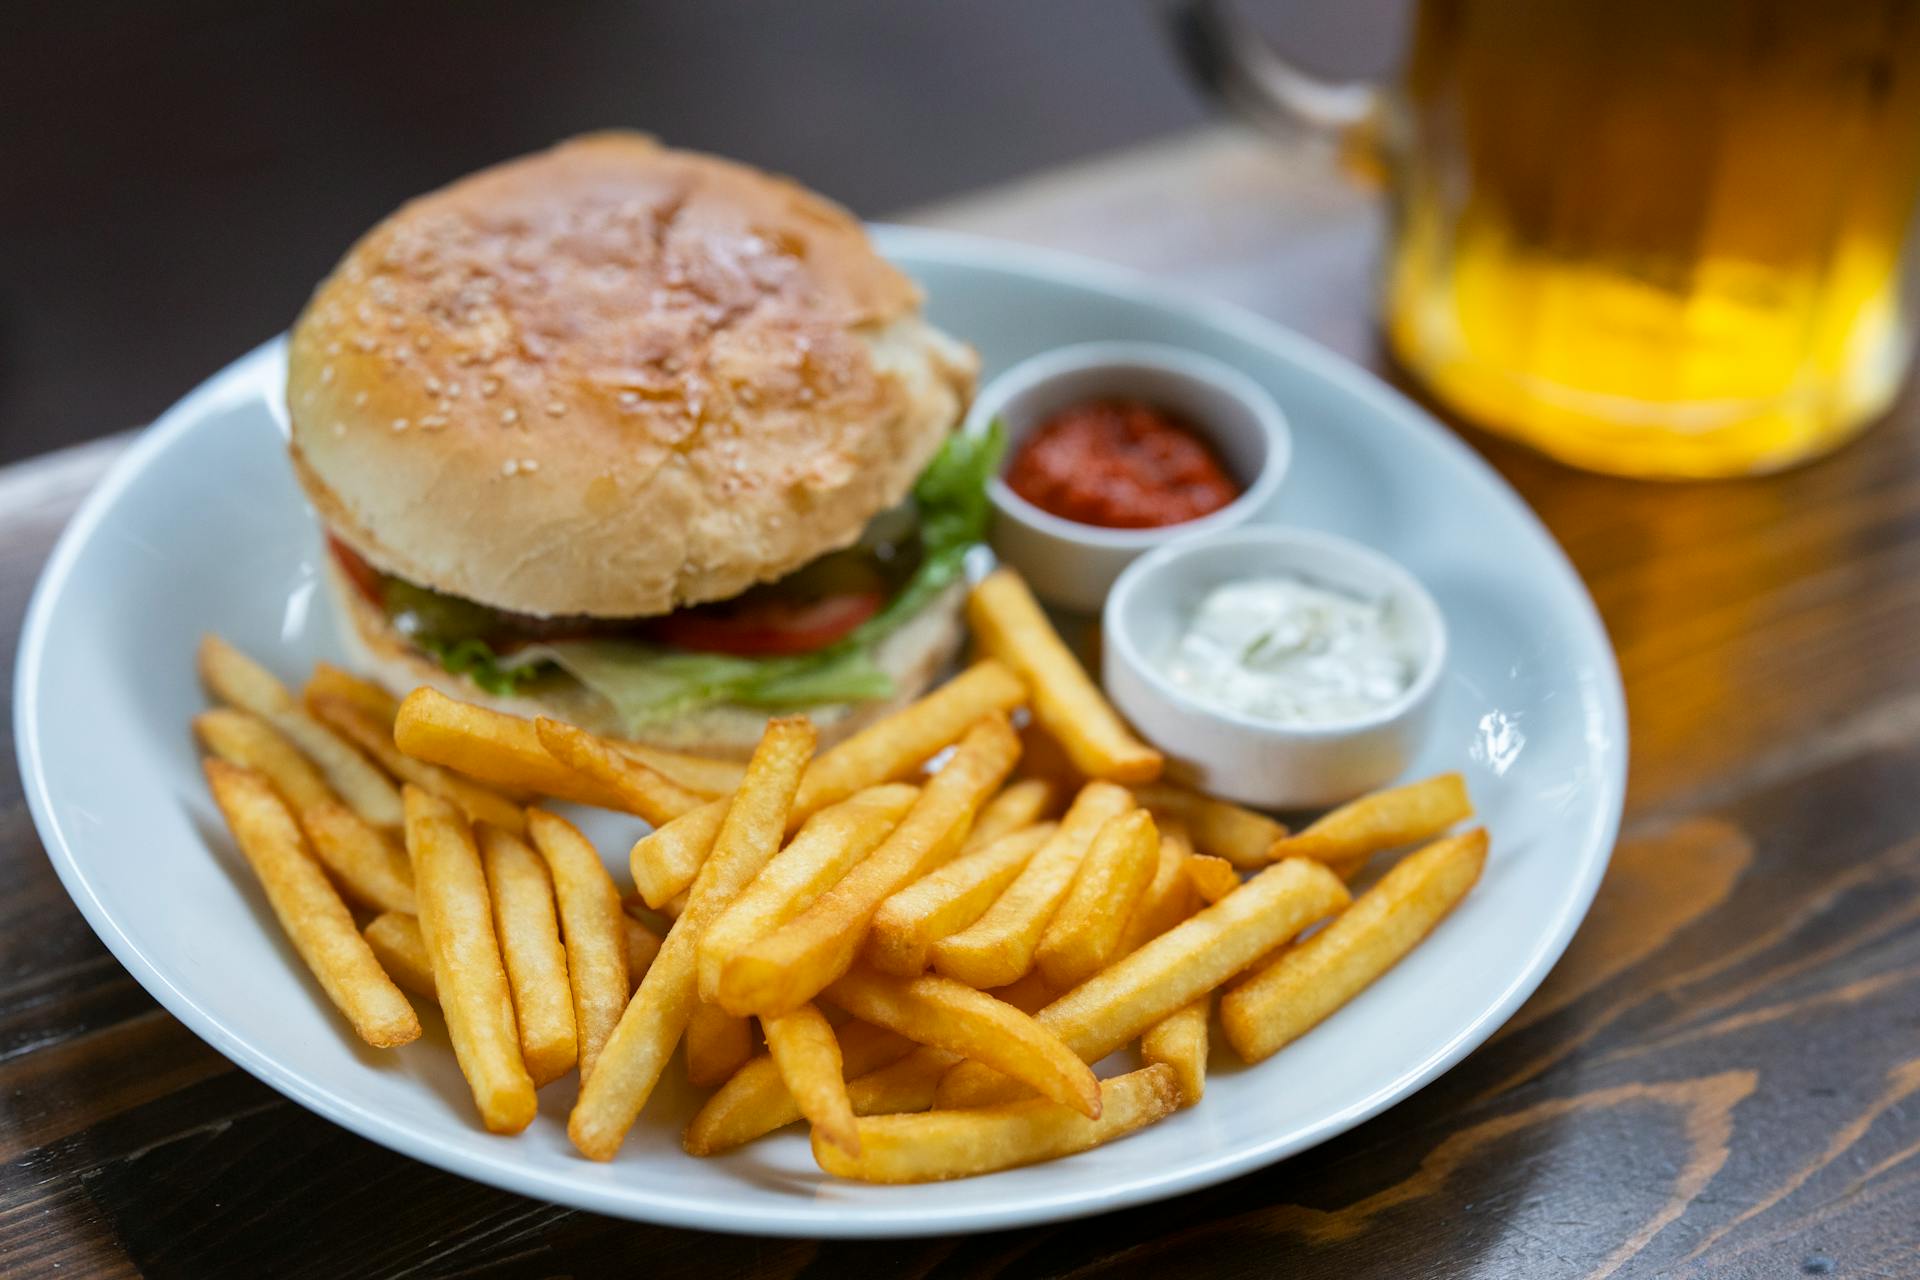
613, 379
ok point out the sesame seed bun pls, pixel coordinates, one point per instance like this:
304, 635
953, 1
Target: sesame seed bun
612, 379
914, 656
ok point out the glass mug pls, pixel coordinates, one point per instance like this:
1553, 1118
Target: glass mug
1652, 237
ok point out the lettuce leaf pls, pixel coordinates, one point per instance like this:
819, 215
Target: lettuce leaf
647, 683
475, 660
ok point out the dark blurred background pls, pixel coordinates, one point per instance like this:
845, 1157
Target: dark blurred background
180, 174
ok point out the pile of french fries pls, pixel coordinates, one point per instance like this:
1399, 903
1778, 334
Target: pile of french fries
934, 957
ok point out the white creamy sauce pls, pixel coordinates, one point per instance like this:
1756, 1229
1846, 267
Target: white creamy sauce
1286, 650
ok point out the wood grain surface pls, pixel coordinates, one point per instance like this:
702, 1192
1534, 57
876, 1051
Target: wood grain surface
1719, 1079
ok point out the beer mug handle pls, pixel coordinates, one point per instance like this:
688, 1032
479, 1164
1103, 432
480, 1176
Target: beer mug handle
1229, 56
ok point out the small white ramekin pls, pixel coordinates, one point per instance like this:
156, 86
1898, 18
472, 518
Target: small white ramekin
1241, 757
1070, 564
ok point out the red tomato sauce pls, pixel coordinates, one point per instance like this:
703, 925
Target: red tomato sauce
1120, 464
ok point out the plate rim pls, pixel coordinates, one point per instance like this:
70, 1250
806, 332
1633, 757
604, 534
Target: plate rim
816, 1218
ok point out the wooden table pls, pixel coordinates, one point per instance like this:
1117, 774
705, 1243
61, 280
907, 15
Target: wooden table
1718, 1079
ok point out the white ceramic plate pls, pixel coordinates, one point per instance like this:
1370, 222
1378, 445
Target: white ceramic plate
200, 527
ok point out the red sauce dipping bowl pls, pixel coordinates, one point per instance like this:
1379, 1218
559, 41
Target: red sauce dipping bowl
1072, 564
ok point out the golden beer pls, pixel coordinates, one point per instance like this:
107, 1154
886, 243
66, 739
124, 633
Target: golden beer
1657, 237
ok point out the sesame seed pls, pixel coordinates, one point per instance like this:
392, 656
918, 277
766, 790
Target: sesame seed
326, 375
510, 467
443, 406
555, 408
364, 343
509, 415
422, 341
432, 422
529, 464
339, 428
629, 399
401, 424
396, 323
359, 399
490, 386
333, 348
433, 386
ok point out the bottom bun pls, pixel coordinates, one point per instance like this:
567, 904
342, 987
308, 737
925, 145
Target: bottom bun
914, 656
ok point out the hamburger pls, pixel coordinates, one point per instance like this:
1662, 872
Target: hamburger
641, 438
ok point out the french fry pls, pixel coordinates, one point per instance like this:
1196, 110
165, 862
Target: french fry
947, 900
1085, 932
1179, 1041
329, 681
1019, 805
1008, 624
934, 1146
665, 860
398, 946
456, 923
1218, 827
362, 859
1169, 898
948, 1015
906, 1085
536, 964
830, 843
1175, 969
657, 1016
892, 748
639, 788
706, 777
1308, 982
1213, 878
803, 1047
375, 738
316, 921
756, 1101
1346, 838
643, 944
998, 947
244, 739
239, 681
718, 1044
362, 786
594, 929
888, 750
786, 968
498, 749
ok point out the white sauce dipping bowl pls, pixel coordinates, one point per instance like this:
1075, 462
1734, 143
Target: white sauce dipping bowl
1241, 757
1070, 564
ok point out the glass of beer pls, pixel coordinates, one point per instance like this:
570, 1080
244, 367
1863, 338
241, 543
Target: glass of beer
1652, 237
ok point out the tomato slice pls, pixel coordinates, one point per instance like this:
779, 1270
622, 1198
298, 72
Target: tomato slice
358, 571
767, 627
